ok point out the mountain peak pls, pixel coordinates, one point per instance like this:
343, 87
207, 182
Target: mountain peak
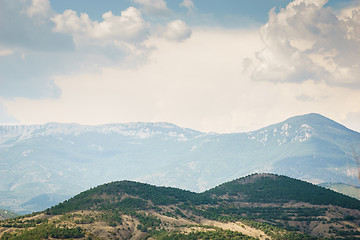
62, 159
316, 120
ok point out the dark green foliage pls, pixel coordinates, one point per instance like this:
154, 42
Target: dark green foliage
226, 213
147, 221
44, 231
270, 188
131, 204
217, 234
95, 198
19, 223
112, 218
238, 200
85, 220
263, 188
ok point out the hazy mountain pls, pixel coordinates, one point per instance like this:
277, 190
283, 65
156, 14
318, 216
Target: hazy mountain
54, 161
4, 214
343, 188
259, 206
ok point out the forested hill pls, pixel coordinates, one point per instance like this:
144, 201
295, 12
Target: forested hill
256, 188
310, 147
271, 188
259, 206
129, 195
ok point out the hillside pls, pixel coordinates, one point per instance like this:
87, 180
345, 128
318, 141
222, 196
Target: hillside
42, 165
269, 188
4, 214
259, 206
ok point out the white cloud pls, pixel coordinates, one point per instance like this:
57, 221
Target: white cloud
25, 24
307, 40
203, 83
352, 121
45, 44
176, 31
29, 49
153, 7
188, 4
5, 118
129, 26
198, 84
193, 84
39, 8
6, 52
348, 11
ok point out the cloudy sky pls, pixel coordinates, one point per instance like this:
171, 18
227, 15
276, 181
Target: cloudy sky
211, 65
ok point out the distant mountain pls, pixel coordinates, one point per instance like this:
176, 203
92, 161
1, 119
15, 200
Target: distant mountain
54, 161
4, 214
343, 188
259, 206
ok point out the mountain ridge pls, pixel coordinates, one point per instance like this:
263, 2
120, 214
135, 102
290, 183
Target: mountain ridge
62, 159
306, 117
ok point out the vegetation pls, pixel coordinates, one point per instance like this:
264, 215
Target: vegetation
45, 231
108, 196
270, 188
215, 234
279, 207
231, 213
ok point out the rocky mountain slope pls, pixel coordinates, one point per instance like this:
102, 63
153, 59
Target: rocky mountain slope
259, 206
42, 165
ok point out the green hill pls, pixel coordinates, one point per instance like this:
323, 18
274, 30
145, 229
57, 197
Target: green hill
270, 188
259, 206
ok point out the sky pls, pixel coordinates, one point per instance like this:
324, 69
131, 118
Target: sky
211, 65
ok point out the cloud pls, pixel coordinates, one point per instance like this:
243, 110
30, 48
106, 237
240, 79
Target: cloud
176, 31
30, 51
129, 26
306, 98
6, 52
5, 118
196, 84
246, 64
30, 75
188, 4
25, 24
117, 40
193, 84
352, 121
44, 44
39, 8
153, 7
307, 40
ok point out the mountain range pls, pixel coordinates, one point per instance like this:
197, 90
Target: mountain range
42, 165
